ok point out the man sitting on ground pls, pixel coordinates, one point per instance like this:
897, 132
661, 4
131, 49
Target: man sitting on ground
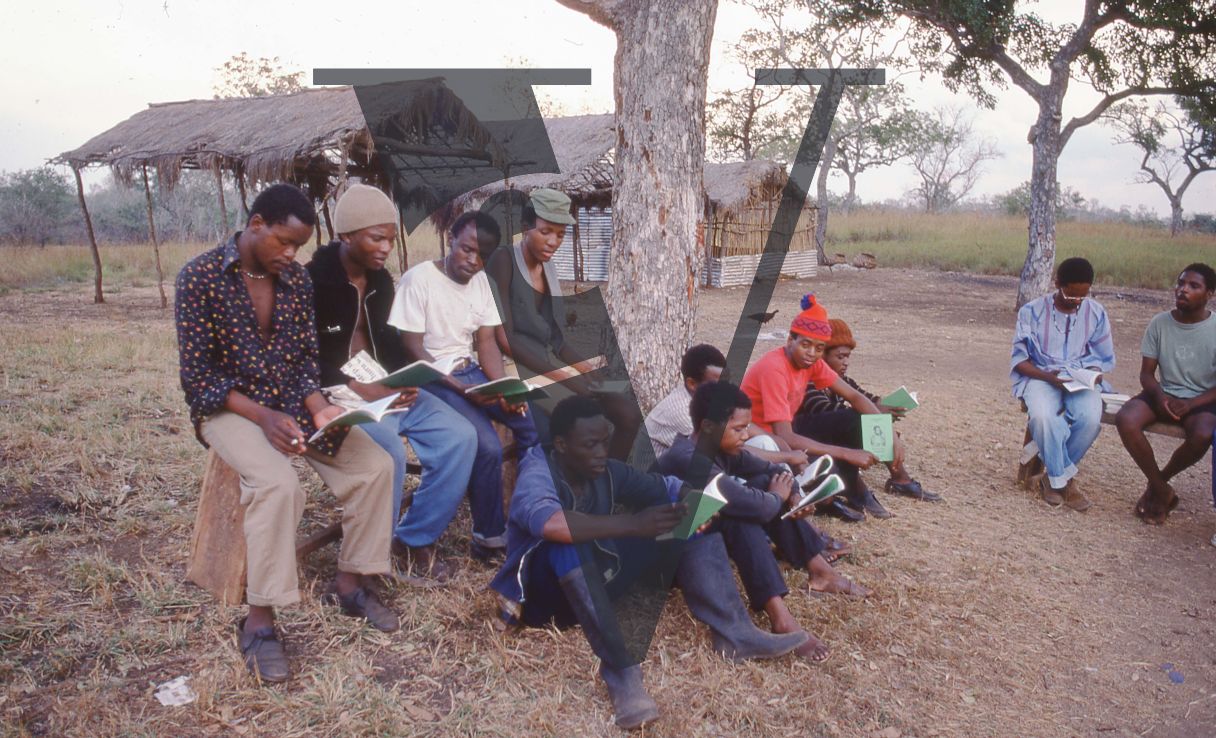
445, 311
353, 293
837, 355
757, 493
248, 352
571, 552
1181, 343
776, 385
1057, 334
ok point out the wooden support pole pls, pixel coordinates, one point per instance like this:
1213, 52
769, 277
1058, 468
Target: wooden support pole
88, 224
219, 183
160, 272
329, 226
240, 185
404, 256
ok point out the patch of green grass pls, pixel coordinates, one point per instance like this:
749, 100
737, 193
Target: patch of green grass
1122, 254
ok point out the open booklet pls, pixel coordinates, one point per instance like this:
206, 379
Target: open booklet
901, 398
372, 412
1081, 379
831, 485
362, 367
701, 507
512, 389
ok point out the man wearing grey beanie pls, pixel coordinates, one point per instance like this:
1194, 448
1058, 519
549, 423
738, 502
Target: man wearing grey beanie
353, 294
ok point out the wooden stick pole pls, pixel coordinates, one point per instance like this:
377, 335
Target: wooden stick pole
88, 224
219, 183
240, 185
160, 272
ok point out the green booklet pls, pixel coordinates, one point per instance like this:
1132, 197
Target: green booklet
415, 375
901, 398
372, 412
510, 388
701, 507
830, 486
878, 436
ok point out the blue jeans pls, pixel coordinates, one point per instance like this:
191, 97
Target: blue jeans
1063, 425
485, 479
443, 441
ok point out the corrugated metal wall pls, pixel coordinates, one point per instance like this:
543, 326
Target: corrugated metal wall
595, 240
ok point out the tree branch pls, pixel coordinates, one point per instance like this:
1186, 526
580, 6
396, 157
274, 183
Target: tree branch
1105, 103
604, 12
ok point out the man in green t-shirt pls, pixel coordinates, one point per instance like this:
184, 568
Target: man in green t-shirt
1181, 343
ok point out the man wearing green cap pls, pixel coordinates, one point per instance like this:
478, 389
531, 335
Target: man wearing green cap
529, 296
353, 293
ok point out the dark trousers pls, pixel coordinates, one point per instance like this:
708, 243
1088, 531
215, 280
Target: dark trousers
749, 546
838, 428
485, 481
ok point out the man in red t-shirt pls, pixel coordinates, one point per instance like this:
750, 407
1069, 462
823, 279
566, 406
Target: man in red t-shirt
776, 385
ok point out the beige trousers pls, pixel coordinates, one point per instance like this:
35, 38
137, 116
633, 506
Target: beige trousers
360, 476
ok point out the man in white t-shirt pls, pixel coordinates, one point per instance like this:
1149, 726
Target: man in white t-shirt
446, 313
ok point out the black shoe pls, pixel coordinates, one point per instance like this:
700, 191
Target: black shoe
486, 554
264, 653
911, 489
839, 509
873, 506
363, 604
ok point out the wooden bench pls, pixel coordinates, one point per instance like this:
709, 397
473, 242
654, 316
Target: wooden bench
1032, 467
217, 547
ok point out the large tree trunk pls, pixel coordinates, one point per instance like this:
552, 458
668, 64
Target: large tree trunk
821, 199
1037, 272
662, 60
1175, 215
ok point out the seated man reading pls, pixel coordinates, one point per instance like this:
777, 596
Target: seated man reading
248, 350
837, 355
582, 537
776, 385
353, 293
1056, 335
1180, 346
446, 312
757, 493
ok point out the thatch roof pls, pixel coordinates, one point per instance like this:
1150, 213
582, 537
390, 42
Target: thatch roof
732, 186
295, 137
582, 145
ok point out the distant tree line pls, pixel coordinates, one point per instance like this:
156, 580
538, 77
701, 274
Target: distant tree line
39, 206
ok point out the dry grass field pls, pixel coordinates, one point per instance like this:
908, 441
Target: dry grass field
991, 614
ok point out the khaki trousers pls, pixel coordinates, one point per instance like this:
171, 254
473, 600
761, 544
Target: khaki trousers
360, 476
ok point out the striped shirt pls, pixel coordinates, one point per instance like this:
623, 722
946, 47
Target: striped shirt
1053, 340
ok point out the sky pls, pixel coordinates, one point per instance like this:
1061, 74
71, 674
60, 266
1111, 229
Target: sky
77, 67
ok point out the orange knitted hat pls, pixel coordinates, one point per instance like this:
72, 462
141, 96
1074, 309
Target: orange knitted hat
812, 322
841, 334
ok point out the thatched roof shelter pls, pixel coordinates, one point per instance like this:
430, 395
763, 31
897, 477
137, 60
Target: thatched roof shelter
299, 137
732, 187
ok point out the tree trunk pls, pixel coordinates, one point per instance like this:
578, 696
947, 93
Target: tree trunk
88, 224
1036, 276
662, 58
219, 183
821, 199
1175, 215
851, 200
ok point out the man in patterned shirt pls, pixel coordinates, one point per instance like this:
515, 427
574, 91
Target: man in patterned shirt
248, 350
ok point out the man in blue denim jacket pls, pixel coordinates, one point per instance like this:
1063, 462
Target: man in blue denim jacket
581, 549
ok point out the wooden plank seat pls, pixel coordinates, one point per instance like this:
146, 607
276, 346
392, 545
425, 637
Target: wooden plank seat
217, 546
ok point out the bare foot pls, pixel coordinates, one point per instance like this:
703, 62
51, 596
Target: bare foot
837, 585
814, 650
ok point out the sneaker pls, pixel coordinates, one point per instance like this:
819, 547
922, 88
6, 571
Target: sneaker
264, 653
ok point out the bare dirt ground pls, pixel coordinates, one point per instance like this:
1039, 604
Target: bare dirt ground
992, 615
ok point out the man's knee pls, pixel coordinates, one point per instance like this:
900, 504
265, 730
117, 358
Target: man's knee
1199, 430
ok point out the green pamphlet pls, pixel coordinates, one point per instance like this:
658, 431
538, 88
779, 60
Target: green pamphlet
415, 375
511, 388
831, 485
878, 436
701, 507
901, 398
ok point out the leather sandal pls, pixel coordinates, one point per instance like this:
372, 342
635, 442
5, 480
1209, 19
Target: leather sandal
264, 653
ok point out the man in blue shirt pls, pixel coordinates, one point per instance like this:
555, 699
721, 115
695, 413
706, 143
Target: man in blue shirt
1060, 335
572, 557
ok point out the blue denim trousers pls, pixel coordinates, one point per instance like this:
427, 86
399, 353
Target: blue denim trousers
485, 478
1063, 425
444, 442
